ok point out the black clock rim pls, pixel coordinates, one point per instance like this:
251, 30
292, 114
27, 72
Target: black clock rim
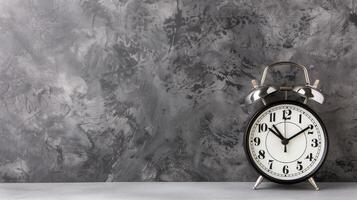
250, 158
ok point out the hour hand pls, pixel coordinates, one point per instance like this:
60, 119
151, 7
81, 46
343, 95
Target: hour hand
276, 132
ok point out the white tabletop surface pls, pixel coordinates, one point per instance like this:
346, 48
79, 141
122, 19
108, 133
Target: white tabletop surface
182, 190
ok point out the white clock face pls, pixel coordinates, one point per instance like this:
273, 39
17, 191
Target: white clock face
286, 142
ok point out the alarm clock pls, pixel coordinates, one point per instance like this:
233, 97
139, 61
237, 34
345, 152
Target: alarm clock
286, 141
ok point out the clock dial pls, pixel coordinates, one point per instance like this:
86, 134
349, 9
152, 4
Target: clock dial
286, 142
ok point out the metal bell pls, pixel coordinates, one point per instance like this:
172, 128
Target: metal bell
259, 92
310, 92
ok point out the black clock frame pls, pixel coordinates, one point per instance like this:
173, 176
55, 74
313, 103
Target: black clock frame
250, 158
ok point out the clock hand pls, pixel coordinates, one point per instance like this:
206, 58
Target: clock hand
284, 127
277, 130
275, 133
284, 141
298, 133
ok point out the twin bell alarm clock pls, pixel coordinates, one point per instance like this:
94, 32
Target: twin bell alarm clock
286, 141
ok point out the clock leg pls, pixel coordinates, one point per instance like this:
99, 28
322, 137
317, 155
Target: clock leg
259, 180
313, 183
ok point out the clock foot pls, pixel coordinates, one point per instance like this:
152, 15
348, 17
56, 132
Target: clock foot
313, 183
259, 180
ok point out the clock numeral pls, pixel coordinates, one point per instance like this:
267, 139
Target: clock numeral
261, 154
310, 132
272, 117
287, 114
262, 127
300, 118
286, 169
315, 142
299, 165
271, 164
256, 141
309, 156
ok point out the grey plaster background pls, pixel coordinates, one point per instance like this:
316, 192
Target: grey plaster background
153, 90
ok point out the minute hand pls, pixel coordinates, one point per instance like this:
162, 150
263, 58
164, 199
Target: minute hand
298, 133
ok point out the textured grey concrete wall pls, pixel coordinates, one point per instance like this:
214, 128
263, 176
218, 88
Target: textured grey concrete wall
134, 90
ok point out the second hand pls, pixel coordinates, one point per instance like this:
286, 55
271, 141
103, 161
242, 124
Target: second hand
285, 150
